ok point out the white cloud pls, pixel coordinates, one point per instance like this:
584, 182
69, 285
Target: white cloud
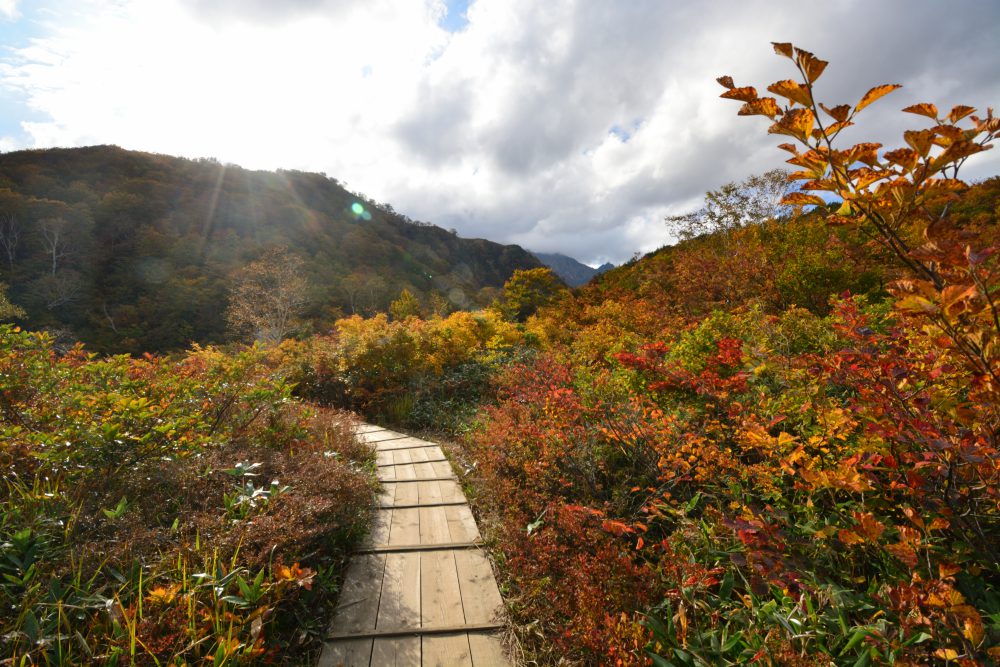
513, 128
8, 9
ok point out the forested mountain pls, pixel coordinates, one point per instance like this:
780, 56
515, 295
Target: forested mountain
574, 272
131, 251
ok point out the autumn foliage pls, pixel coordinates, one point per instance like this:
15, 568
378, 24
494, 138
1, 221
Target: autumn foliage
776, 445
167, 510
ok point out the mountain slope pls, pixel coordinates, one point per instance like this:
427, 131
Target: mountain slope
575, 273
132, 251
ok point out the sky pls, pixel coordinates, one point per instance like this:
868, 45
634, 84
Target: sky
570, 126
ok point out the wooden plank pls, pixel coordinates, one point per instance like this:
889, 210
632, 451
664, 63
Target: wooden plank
401, 456
434, 526
382, 436
405, 494
450, 478
447, 651
481, 599
405, 527
386, 465
392, 446
451, 490
357, 608
404, 472
399, 548
386, 494
424, 470
440, 594
443, 469
431, 451
461, 524
420, 632
404, 442
367, 428
346, 653
407, 506
400, 601
383, 458
430, 493
387, 474
381, 525
419, 454
397, 652
487, 650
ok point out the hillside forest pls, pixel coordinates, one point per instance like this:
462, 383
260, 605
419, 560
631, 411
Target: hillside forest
135, 252
772, 443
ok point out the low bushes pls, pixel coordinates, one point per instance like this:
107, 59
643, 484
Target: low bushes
790, 488
163, 511
413, 373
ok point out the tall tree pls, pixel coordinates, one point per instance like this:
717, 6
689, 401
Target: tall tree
735, 205
10, 235
405, 306
267, 297
527, 291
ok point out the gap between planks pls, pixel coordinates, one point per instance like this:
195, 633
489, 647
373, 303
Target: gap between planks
415, 632
408, 463
413, 506
421, 479
404, 548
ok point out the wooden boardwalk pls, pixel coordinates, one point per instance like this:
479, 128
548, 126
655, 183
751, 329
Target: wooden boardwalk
419, 591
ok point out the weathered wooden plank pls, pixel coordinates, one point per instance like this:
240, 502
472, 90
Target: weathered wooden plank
417, 454
430, 492
434, 527
381, 525
357, 609
451, 490
420, 632
461, 524
381, 436
481, 601
407, 506
405, 494
403, 442
422, 573
424, 470
404, 472
440, 594
447, 651
487, 650
399, 548
442, 469
392, 446
366, 428
450, 478
400, 600
387, 465
433, 453
405, 527
347, 653
397, 652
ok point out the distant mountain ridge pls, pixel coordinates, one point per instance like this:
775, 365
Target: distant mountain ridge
573, 272
135, 252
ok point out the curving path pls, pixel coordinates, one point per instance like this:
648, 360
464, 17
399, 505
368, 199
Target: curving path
420, 591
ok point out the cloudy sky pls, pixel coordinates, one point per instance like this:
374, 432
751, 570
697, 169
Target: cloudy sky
565, 125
